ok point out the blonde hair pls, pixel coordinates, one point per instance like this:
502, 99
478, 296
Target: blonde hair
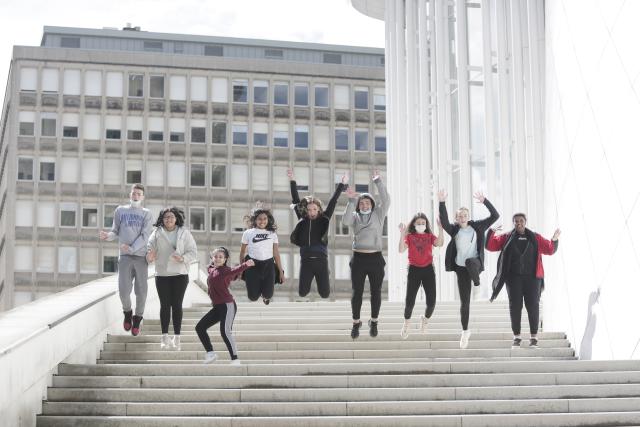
462, 209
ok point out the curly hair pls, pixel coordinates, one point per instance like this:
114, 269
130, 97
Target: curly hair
412, 224
271, 222
179, 214
302, 205
224, 250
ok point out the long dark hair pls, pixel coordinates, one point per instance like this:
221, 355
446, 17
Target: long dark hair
271, 222
412, 225
176, 212
302, 206
224, 250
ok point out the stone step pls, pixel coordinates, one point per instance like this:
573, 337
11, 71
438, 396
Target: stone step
242, 318
344, 326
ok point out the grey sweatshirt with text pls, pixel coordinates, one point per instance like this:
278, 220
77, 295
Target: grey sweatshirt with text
132, 226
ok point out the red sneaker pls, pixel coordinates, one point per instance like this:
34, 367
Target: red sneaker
127, 320
135, 330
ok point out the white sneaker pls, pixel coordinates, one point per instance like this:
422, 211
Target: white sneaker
175, 344
404, 332
423, 324
464, 339
210, 357
235, 362
165, 342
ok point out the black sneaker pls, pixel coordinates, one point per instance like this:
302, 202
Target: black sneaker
373, 328
533, 343
266, 301
355, 330
135, 328
516, 343
126, 324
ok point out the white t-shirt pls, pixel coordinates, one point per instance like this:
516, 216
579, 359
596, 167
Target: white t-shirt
466, 245
259, 243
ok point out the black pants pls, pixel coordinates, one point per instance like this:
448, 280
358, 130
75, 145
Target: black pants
416, 277
464, 289
363, 265
317, 267
527, 288
260, 279
225, 314
171, 291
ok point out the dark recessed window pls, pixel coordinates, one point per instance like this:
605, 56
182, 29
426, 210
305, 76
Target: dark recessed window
73, 42
332, 58
211, 50
273, 53
152, 46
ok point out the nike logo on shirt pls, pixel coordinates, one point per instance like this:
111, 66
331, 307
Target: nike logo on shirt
260, 238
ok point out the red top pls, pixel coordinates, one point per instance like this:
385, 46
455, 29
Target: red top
420, 248
545, 247
219, 280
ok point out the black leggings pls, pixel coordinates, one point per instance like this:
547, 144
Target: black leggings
225, 314
464, 289
171, 291
260, 279
317, 267
426, 277
363, 265
527, 288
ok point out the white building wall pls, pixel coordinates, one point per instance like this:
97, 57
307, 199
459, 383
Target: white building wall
591, 188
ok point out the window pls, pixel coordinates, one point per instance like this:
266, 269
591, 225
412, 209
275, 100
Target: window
301, 94
136, 85
341, 230
91, 127
24, 213
107, 217
213, 50
240, 90
176, 130
196, 219
134, 171
273, 53
152, 46
361, 98
198, 131
46, 214
154, 174
379, 99
69, 170
134, 128
156, 87
178, 88
281, 217
23, 258
380, 141
341, 97
156, 129
302, 177
89, 260
27, 123
332, 58
342, 139
321, 179
90, 217
176, 174
260, 92
68, 214
71, 82
70, 124
260, 134
48, 124
260, 177
198, 173
361, 140
112, 172
239, 134
361, 181
72, 42
90, 171
115, 82
219, 89
219, 133
301, 137
47, 170
280, 180
93, 83
321, 96
236, 218
281, 135
50, 80
28, 79
113, 127
321, 140
218, 219
240, 177
25, 168
218, 176
281, 93
45, 259
198, 88
109, 263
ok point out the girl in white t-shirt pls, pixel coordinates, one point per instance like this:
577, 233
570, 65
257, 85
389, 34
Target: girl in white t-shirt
260, 243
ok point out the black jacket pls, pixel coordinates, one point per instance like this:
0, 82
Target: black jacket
311, 234
480, 228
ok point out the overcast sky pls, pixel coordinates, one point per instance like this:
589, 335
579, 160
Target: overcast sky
321, 21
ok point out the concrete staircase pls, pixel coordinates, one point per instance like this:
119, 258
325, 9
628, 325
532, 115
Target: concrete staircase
300, 367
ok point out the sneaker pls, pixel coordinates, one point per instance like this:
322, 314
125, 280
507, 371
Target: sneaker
135, 325
126, 324
210, 357
516, 343
423, 324
175, 343
464, 339
533, 343
235, 362
373, 328
266, 301
355, 330
165, 342
404, 332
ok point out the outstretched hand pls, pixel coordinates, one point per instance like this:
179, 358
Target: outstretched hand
442, 195
496, 228
556, 234
290, 174
345, 178
376, 175
479, 196
250, 262
402, 228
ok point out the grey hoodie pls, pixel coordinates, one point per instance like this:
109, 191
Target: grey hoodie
132, 226
367, 229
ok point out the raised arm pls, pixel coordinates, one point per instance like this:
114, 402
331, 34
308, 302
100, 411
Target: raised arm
331, 206
493, 213
295, 197
442, 210
440, 237
548, 247
385, 201
495, 242
238, 269
347, 216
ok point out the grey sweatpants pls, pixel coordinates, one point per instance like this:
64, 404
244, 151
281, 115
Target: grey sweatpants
132, 267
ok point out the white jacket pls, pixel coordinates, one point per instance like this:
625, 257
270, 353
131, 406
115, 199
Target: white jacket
185, 247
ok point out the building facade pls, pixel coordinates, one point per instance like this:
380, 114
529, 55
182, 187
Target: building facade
208, 124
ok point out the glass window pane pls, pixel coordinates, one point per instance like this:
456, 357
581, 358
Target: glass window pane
342, 139
156, 87
361, 98
239, 134
260, 92
219, 133
301, 137
218, 176
198, 175
281, 94
301, 95
321, 95
136, 85
362, 140
240, 90
218, 219
196, 219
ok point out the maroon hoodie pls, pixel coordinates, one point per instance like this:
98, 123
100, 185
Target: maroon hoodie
219, 280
